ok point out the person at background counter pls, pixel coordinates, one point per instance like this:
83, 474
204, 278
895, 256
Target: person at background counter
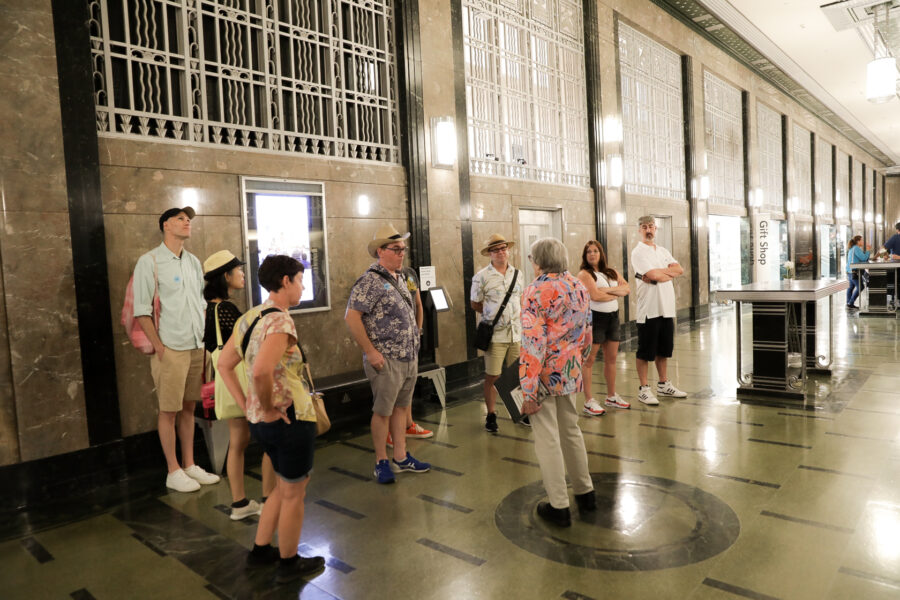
855, 254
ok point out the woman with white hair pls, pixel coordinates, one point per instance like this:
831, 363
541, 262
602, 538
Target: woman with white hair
556, 339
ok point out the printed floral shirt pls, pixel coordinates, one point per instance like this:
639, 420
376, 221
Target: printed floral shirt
289, 387
388, 313
556, 336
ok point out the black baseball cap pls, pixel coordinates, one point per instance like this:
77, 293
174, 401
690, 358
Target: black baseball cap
190, 212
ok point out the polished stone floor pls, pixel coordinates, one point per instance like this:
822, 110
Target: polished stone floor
705, 497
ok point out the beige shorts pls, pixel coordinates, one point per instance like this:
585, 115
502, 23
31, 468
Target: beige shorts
499, 355
393, 385
177, 377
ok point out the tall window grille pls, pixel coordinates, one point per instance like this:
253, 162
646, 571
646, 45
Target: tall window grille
771, 165
824, 179
525, 93
652, 116
842, 185
286, 75
802, 159
856, 201
724, 134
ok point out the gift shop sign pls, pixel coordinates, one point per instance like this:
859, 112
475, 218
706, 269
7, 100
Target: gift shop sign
764, 249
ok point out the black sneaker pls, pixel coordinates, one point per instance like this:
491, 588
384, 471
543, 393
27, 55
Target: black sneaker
298, 567
587, 502
262, 556
525, 421
558, 516
490, 423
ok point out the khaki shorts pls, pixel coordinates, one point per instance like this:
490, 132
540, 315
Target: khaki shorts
499, 355
393, 385
177, 377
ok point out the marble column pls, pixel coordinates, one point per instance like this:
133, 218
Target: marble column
41, 369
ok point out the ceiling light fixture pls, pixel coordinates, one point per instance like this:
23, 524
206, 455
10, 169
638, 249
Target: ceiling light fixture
881, 73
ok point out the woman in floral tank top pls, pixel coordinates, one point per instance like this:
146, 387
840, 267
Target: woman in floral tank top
280, 411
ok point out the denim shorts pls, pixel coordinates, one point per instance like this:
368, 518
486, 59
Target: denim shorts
290, 446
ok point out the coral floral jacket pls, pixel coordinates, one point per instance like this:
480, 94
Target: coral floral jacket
556, 336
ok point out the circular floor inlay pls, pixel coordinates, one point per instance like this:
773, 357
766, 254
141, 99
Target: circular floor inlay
641, 523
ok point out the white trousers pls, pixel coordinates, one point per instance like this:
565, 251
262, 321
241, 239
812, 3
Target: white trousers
560, 448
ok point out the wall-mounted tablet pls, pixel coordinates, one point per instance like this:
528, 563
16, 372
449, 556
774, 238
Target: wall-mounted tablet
439, 298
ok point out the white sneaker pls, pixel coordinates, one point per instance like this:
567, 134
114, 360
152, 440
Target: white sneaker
253, 508
200, 476
645, 396
180, 482
592, 408
616, 401
667, 389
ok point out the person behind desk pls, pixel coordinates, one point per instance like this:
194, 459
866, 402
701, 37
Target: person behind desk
855, 254
893, 244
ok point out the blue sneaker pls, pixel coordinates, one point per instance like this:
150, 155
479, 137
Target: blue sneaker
383, 472
412, 465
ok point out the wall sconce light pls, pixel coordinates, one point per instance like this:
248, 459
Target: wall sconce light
704, 187
620, 218
854, 215
616, 171
190, 197
612, 130
869, 217
878, 219
362, 205
838, 212
443, 142
756, 197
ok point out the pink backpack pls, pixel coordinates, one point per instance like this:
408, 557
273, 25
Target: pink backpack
133, 328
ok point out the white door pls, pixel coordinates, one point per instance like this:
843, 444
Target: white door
535, 224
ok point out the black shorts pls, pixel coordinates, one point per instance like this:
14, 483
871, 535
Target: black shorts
656, 338
289, 446
606, 326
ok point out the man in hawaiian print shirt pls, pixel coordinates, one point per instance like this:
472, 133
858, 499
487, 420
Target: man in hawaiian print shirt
382, 319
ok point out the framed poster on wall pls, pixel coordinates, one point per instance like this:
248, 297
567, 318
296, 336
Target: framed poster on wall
286, 217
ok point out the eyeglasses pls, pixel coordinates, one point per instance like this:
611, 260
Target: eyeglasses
499, 249
397, 249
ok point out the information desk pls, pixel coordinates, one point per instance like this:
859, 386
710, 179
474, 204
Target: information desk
880, 274
782, 311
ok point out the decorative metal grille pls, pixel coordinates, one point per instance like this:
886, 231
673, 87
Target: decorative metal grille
724, 133
652, 116
824, 178
525, 94
771, 166
856, 201
842, 185
300, 76
802, 159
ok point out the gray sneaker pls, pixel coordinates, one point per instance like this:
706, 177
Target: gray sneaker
665, 388
646, 396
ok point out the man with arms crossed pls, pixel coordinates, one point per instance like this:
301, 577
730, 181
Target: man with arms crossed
177, 363
655, 269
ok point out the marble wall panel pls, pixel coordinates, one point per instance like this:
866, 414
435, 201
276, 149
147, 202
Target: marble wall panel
132, 190
258, 163
447, 254
39, 289
491, 207
9, 440
385, 201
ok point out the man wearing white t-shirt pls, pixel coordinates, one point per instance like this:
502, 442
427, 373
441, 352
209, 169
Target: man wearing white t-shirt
655, 269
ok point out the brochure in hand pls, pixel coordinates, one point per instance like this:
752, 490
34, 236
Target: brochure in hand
508, 387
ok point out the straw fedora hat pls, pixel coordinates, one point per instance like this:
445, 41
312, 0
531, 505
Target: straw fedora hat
495, 240
384, 236
220, 262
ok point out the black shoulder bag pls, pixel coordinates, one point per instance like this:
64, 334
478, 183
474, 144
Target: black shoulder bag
485, 331
246, 339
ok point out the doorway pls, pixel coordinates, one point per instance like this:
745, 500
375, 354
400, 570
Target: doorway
534, 224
